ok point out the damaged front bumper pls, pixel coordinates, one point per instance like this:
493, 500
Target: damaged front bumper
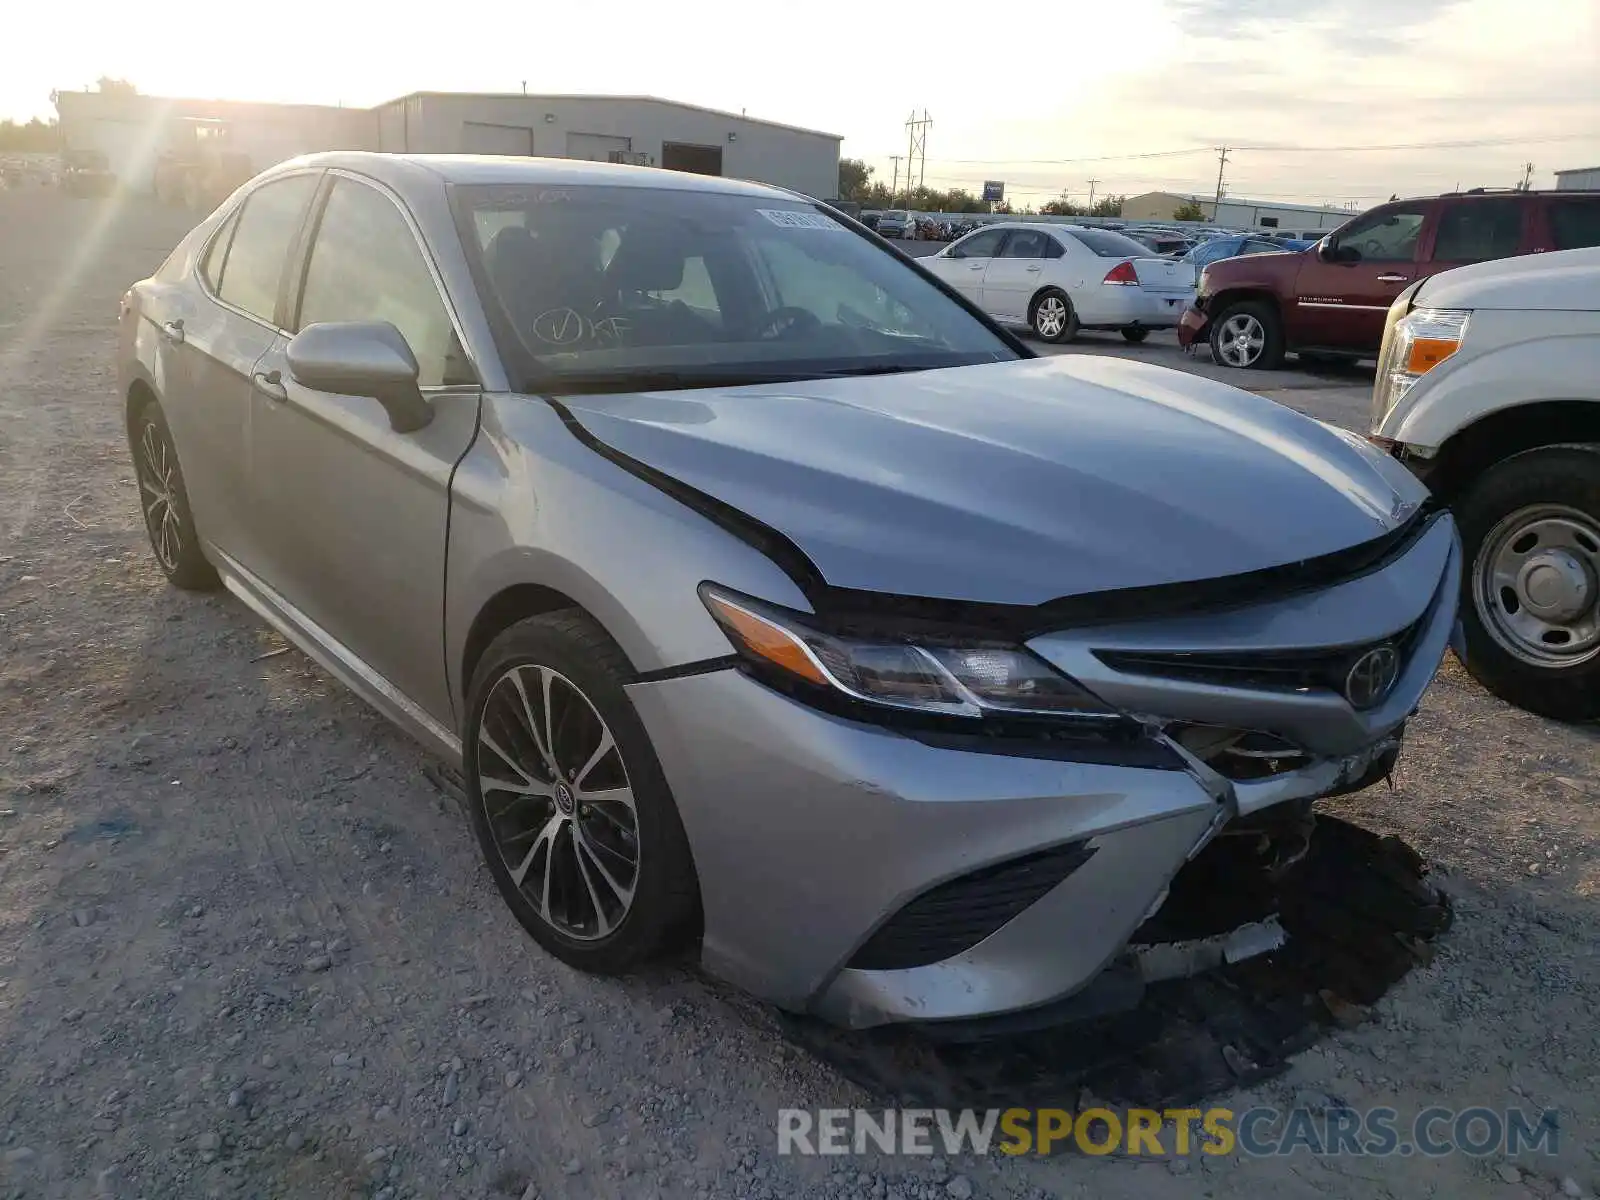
869, 877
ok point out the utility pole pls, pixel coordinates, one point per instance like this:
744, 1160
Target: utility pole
1222, 161
895, 186
916, 149
1092, 184
1527, 176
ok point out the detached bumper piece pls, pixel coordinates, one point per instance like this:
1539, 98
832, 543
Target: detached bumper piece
1354, 914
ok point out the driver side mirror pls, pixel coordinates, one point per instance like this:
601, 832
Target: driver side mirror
362, 358
1329, 251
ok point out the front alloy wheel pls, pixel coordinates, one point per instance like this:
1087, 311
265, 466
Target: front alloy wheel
1247, 336
558, 802
568, 800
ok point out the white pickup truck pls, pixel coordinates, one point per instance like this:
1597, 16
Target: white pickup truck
1489, 389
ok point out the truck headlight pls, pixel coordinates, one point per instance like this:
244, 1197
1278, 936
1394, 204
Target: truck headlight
1417, 343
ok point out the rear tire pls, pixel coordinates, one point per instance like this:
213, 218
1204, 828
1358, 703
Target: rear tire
1543, 505
1247, 335
1052, 317
616, 828
1135, 336
164, 501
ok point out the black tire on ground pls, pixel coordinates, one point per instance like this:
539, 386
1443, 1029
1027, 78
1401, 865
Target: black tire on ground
1564, 476
1135, 335
664, 910
164, 502
1046, 306
1270, 354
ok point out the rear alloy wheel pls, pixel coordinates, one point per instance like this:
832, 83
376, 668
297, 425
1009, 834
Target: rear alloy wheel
1247, 335
164, 501
1135, 335
1531, 604
568, 801
1053, 318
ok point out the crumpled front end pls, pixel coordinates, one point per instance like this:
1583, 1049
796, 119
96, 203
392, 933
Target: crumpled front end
872, 875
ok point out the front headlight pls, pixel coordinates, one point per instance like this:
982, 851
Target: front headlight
935, 676
1417, 343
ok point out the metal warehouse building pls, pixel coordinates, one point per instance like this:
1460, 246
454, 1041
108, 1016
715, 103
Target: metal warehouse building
131, 129
1237, 213
1579, 179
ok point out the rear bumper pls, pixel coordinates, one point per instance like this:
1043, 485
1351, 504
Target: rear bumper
1194, 327
1130, 307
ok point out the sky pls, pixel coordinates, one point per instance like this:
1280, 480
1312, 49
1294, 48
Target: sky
1134, 94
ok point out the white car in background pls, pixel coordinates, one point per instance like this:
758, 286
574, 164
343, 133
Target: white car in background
1058, 279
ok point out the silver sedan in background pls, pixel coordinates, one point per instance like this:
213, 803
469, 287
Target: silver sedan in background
768, 597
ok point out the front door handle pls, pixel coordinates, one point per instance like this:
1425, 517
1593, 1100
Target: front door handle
270, 385
1032, 269
173, 332
975, 266
1392, 279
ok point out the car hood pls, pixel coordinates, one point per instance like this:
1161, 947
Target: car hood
1017, 483
1567, 281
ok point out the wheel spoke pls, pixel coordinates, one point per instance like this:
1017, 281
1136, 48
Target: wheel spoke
604, 748
588, 867
485, 738
546, 840
623, 892
541, 737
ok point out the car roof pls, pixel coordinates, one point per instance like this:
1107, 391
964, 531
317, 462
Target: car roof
400, 170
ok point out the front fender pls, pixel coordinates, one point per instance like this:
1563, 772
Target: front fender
1455, 395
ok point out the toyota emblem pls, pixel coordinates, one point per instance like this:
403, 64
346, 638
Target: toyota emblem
1371, 676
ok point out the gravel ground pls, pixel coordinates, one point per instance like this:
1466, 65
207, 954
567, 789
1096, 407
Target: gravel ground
246, 949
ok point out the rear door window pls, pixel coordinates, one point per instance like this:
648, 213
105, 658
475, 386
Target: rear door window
1026, 243
259, 253
1575, 223
1478, 230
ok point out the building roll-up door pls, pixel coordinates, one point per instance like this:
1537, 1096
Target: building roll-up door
479, 137
701, 160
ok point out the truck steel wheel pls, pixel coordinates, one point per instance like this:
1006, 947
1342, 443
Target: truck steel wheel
164, 501
568, 802
1052, 318
1531, 609
1247, 335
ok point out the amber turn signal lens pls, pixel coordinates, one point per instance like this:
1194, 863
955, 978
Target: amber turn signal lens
765, 639
1426, 353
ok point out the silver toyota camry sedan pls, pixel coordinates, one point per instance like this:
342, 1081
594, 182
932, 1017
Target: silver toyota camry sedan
768, 598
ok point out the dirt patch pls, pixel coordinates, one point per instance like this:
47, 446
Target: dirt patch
246, 948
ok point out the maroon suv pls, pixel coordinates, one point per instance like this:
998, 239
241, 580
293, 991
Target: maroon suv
1332, 298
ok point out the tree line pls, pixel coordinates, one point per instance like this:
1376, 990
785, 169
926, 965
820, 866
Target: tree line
36, 136
856, 183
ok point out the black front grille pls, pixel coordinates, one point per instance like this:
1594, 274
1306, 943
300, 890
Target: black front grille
955, 916
1263, 670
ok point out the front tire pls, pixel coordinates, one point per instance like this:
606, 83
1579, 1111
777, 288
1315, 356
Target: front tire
1530, 606
1052, 317
1248, 335
568, 801
164, 501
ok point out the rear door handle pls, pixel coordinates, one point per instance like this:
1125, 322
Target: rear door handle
270, 385
976, 266
173, 332
1391, 279
1035, 268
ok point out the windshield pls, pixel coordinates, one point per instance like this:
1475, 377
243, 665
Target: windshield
623, 288
1108, 244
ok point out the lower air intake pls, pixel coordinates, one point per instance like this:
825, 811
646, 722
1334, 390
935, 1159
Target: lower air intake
955, 916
